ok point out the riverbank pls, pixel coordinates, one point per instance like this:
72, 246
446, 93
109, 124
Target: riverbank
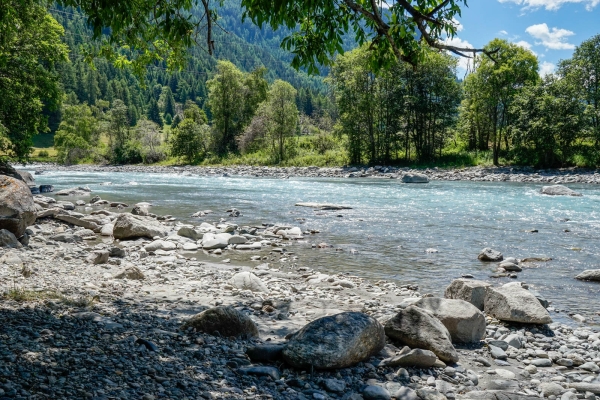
477, 174
88, 316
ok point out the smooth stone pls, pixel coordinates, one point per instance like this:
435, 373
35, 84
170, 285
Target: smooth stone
336, 341
464, 321
417, 358
248, 281
227, 321
334, 385
372, 392
551, 389
261, 371
589, 275
490, 255
559, 190
430, 394
541, 362
415, 178
497, 353
515, 304
418, 328
129, 226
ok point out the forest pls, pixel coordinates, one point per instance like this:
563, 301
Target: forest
245, 104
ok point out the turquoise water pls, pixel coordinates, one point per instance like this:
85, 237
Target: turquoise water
392, 224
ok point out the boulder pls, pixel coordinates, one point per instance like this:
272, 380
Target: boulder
212, 242
190, 233
488, 254
464, 321
8, 170
469, 290
417, 328
248, 281
559, 190
128, 226
77, 191
415, 178
515, 304
336, 341
107, 230
237, 239
98, 256
160, 245
26, 177
589, 275
7, 239
139, 210
227, 321
17, 208
77, 219
131, 272
417, 358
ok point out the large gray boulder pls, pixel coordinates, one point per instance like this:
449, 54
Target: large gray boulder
17, 208
8, 239
464, 321
514, 304
418, 328
415, 178
226, 321
128, 226
26, 177
469, 290
488, 254
248, 281
589, 275
336, 341
559, 190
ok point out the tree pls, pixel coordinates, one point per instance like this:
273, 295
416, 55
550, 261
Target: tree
118, 131
548, 118
494, 85
153, 113
77, 134
281, 117
190, 140
30, 49
169, 102
583, 70
226, 102
150, 137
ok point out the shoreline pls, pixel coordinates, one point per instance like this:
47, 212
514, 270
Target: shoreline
96, 330
478, 174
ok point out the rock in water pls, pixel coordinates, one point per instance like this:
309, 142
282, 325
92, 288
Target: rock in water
417, 328
128, 226
468, 290
488, 254
7, 239
17, 209
515, 304
336, 341
559, 190
248, 281
465, 323
589, 275
227, 321
415, 178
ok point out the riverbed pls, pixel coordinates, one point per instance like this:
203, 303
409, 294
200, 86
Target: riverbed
424, 234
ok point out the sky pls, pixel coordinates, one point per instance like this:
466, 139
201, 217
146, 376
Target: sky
549, 28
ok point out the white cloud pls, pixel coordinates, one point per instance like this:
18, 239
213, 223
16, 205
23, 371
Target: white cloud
546, 68
457, 25
503, 32
464, 63
555, 39
525, 45
551, 5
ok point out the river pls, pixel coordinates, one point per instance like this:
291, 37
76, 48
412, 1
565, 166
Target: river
392, 225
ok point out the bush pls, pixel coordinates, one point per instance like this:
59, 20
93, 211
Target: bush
43, 153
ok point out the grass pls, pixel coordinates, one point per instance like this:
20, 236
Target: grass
22, 296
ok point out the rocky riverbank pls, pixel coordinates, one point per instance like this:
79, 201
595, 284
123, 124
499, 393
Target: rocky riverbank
99, 305
479, 174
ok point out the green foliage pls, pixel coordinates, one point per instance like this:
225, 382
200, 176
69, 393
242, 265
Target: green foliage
490, 91
190, 140
30, 49
77, 134
401, 110
153, 113
232, 98
280, 117
149, 136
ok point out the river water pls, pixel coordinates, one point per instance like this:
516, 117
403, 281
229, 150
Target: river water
393, 224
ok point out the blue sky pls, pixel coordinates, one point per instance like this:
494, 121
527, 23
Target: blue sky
549, 28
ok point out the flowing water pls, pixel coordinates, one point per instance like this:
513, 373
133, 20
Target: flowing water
392, 224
